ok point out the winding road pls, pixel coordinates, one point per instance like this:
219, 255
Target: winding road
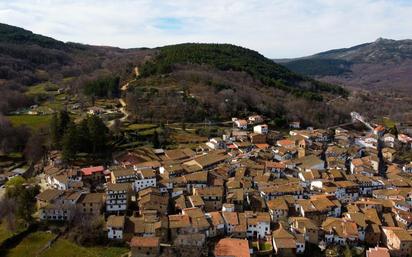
123, 109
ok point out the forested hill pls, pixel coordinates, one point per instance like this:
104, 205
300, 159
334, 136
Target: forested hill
193, 82
28, 59
179, 82
230, 57
15, 35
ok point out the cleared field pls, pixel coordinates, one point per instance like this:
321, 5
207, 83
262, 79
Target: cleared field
31, 121
184, 137
30, 245
42, 89
65, 248
141, 126
35, 242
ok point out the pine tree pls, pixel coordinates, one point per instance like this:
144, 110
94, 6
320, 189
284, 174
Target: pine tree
63, 122
54, 131
155, 140
70, 144
84, 137
98, 133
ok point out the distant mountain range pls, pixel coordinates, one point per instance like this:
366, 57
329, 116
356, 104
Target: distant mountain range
383, 64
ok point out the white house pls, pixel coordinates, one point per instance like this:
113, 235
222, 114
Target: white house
231, 221
258, 224
261, 129
145, 178
115, 227
242, 124
346, 191
60, 182
255, 119
117, 197
215, 143
389, 140
407, 168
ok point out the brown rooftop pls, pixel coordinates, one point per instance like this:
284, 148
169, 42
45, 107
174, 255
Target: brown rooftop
145, 242
232, 247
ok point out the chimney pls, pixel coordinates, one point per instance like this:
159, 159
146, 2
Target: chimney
301, 152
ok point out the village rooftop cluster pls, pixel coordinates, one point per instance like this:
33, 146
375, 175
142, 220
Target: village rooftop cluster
251, 191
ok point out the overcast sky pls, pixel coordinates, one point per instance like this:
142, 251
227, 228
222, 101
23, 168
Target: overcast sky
276, 28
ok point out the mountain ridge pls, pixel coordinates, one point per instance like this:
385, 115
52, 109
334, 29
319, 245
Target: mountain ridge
382, 64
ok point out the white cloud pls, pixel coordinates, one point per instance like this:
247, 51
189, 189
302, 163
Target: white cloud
276, 28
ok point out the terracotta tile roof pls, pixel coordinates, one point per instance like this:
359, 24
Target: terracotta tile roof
277, 204
232, 247
285, 143
196, 200
122, 172
215, 218
359, 218
197, 218
242, 122
303, 222
209, 191
275, 165
340, 227
282, 233
400, 233
115, 221
378, 252
230, 217
176, 154
200, 176
372, 216
49, 195
283, 238
145, 242
210, 159
119, 187
91, 170
180, 202
179, 221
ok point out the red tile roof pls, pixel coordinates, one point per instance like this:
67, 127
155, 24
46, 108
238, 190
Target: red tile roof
89, 171
232, 247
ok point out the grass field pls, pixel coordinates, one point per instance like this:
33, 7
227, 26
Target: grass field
65, 248
4, 233
30, 245
141, 126
388, 122
42, 89
33, 243
31, 121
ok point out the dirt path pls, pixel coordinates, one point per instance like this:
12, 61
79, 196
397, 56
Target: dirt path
123, 109
124, 88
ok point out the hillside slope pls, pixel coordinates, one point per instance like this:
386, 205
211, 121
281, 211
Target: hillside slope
27, 59
194, 82
383, 64
190, 82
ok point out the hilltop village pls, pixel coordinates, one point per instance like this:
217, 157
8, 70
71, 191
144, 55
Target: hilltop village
252, 192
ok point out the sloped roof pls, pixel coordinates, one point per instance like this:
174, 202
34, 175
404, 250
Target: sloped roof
232, 247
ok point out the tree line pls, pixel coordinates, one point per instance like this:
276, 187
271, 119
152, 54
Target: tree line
103, 87
90, 136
